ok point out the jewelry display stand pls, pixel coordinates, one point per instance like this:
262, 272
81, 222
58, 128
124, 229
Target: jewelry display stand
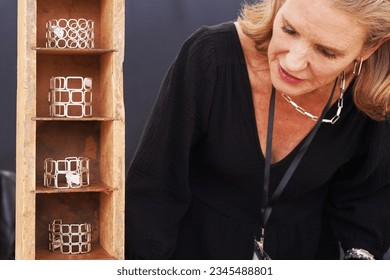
70, 159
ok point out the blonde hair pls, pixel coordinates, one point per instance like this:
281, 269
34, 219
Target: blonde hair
257, 19
371, 89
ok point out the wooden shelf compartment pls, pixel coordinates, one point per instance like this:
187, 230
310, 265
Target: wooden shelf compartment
100, 11
71, 208
63, 66
104, 97
58, 140
94, 140
67, 9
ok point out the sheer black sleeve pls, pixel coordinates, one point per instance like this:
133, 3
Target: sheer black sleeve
157, 188
360, 205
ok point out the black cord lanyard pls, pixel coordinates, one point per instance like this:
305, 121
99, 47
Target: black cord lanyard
266, 206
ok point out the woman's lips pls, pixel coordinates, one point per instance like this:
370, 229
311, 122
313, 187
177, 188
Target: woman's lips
288, 78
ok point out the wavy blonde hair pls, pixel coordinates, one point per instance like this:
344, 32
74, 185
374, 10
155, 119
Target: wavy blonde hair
371, 89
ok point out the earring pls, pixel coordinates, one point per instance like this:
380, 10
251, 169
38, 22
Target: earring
342, 83
357, 68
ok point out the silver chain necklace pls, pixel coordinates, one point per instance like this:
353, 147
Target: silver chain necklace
340, 105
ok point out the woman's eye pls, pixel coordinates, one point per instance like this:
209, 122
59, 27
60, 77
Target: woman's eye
328, 54
288, 30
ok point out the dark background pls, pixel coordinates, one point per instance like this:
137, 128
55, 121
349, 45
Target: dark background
155, 30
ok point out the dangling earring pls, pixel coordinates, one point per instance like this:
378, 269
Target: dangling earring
357, 68
342, 83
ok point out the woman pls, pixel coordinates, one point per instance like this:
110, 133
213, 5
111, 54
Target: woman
267, 137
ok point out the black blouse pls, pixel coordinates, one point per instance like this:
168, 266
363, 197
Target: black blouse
193, 189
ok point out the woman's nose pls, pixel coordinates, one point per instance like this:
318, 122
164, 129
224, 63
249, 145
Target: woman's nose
296, 59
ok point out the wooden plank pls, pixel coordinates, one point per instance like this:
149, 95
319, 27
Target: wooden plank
25, 132
52, 51
113, 137
97, 253
94, 187
89, 119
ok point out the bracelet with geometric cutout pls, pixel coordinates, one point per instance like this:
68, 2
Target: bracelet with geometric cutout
71, 172
70, 34
69, 238
70, 97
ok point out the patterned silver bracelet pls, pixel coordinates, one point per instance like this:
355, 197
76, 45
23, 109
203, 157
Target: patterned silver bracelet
358, 254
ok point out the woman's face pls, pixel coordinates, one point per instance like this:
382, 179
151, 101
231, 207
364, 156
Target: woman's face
312, 43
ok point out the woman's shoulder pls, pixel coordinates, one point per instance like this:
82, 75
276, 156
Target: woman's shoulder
216, 32
220, 40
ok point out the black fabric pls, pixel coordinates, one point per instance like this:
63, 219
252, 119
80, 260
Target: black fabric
194, 187
7, 215
267, 207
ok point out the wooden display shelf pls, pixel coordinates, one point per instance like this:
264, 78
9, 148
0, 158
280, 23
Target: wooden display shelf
52, 51
100, 138
97, 253
94, 187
